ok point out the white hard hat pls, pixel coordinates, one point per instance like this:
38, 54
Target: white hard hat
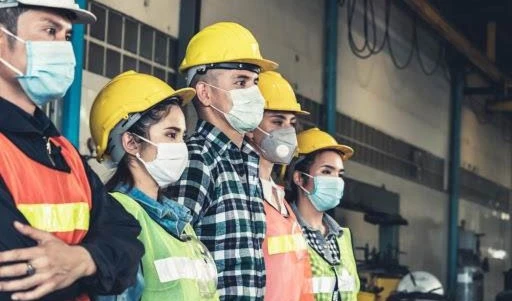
81, 15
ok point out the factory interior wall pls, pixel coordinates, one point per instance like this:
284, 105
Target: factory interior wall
406, 104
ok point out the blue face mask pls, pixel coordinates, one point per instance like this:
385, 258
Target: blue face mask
50, 69
327, 192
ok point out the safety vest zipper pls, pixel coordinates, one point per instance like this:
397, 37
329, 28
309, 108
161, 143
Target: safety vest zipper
49, 150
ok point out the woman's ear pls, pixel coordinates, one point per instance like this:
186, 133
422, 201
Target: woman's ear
130, 146
297, 179
203, 94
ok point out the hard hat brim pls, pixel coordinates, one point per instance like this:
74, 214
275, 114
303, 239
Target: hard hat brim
306, 113
347, 151
298, 112
186, 95
264, 64
82, 16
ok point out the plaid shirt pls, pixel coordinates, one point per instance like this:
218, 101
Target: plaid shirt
326, 246
221, 188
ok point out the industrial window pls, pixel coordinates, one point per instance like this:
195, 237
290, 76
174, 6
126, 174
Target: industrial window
131, 37
113, 63
98, 30
129, 63
484, 192
160, 73
173, 52
161, 48
144, 68
117, 43
146, 42
115, 29
379, 150
97, 52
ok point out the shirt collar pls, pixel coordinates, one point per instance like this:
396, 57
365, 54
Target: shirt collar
13, 119
270, 189
210, 133
248, 149
332, 226
220, 141
172, 216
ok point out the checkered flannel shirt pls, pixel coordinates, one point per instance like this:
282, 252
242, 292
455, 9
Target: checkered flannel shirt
326, 246
221, 188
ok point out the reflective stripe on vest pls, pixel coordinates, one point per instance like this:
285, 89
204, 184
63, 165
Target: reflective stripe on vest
286, 257
347, 290
170, 265
175, 268
286, 243
57, 217
51, 200
323, 284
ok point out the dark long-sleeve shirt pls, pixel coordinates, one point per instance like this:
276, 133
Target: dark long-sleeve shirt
112, 236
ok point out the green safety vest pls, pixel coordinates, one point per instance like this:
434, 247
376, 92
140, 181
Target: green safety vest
173, 269
326, 276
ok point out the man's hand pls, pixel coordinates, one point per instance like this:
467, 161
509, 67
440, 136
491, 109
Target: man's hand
50, 266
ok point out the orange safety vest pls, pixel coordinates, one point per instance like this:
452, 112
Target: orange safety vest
286, 257
51, 200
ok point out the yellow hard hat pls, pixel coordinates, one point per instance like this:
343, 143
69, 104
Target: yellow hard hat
123, 98
314, 139
278, 93
223, 42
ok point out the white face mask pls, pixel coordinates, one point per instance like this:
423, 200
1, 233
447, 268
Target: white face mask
170, 162
247, 110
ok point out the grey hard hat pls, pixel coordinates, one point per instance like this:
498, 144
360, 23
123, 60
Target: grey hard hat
81, 15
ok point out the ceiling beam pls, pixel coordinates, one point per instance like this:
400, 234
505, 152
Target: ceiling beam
432, 16
503, 106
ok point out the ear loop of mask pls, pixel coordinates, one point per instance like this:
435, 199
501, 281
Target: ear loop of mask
304, 189
7, 64
145, 140
260, 148
218, 110
265, 133
138, 156
269, 134
215, 87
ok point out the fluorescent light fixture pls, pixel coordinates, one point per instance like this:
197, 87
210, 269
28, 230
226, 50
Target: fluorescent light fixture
502, 106
496, 253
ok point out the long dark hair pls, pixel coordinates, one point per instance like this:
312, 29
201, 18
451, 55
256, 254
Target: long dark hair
301, 164
123, 175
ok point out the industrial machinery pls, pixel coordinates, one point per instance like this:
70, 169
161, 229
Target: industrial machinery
506, 295
380, 271
418, 285
470, 266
